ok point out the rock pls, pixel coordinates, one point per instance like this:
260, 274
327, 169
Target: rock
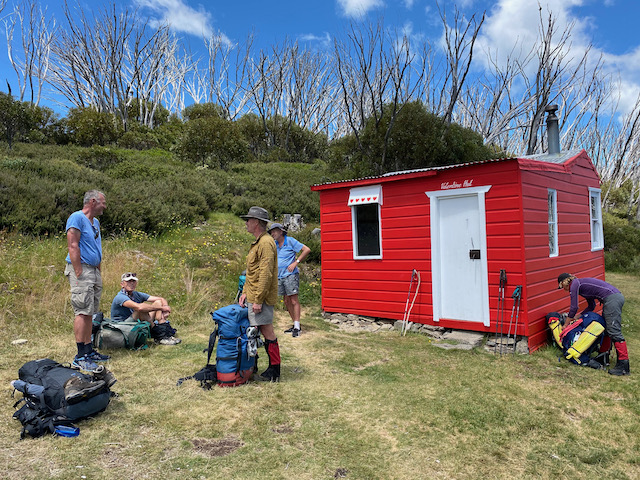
470, 338
522, 347
457, 346
315, 231
19, 341
352, 318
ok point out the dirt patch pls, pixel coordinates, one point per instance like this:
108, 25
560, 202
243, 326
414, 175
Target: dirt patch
217, 448
283, 429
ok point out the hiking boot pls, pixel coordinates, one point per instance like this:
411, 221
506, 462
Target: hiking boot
290, 329
271, 374
86, 364
621, 368
76, 388
295, 332
169, 341
98, 357
108, 377
593, 363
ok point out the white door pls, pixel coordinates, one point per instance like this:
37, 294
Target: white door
459, 256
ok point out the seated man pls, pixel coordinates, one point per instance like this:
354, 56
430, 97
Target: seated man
130, 304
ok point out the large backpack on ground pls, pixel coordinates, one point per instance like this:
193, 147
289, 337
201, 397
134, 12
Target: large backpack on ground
55, 395
236, 353
580, 340
131, 334
234, 365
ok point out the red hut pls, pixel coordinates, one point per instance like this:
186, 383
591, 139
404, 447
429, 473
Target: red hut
458, 226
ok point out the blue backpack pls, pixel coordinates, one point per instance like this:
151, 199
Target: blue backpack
570, 336
234, 365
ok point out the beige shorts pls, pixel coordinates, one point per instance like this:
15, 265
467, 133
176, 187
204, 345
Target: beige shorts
265, 317
85, 290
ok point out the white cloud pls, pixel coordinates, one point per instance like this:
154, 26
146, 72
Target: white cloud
358, 8
409, 4
516, 23
324, 40
180, 16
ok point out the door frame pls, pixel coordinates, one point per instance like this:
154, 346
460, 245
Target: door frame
434, 200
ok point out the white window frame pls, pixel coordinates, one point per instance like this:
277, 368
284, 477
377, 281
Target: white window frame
595, 221
370, 195
552, 220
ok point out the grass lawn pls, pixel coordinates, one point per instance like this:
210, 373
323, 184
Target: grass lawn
350, 405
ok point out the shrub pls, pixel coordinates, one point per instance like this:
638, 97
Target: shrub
98, 158
36, 196
88, 127
622, 244
211, 141
138, 137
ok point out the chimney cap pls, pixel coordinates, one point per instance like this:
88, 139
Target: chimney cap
551, 108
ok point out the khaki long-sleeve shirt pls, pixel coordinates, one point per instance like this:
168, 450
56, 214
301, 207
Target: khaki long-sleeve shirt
261, 284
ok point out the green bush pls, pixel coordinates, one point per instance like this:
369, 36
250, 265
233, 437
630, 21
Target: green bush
36, 197
138, 137
211, 141
622, 244
98, 158
88, 127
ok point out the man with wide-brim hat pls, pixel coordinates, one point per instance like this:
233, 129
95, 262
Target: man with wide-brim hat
260, 291
612, 300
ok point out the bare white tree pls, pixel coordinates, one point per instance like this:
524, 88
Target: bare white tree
459, 42
374, 72
34, 30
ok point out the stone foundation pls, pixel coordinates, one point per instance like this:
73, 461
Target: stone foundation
441, 337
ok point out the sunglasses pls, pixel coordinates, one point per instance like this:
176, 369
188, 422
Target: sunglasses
129, 274
96, 232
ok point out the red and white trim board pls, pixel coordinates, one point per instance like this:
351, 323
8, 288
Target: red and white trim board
364, 195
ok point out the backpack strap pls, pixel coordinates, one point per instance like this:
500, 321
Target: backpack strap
571, 327
212, 343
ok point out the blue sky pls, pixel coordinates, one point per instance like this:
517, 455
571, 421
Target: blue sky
608, 24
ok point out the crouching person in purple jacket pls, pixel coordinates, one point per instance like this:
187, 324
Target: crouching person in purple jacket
592, 289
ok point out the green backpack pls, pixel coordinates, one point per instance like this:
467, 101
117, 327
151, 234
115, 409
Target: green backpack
131, 334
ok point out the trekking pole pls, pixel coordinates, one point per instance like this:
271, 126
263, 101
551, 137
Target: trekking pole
503, 283
406, 306
516, 300
415, 295
515, 330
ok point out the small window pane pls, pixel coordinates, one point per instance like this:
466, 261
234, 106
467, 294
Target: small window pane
367, 230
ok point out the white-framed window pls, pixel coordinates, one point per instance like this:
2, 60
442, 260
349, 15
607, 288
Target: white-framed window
552, 209
365, 205
595, 214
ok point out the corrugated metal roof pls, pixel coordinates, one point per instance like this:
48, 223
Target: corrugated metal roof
557, 158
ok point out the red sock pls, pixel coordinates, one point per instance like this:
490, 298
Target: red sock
273, 350
621, 349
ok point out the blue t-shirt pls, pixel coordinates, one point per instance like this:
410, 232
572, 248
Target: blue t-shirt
90, 239
287, 255
120, 312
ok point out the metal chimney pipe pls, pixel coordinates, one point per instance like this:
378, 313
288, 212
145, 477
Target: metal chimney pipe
553, 132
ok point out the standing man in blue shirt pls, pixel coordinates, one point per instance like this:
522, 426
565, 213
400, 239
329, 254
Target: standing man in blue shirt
288, 273
84, 243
